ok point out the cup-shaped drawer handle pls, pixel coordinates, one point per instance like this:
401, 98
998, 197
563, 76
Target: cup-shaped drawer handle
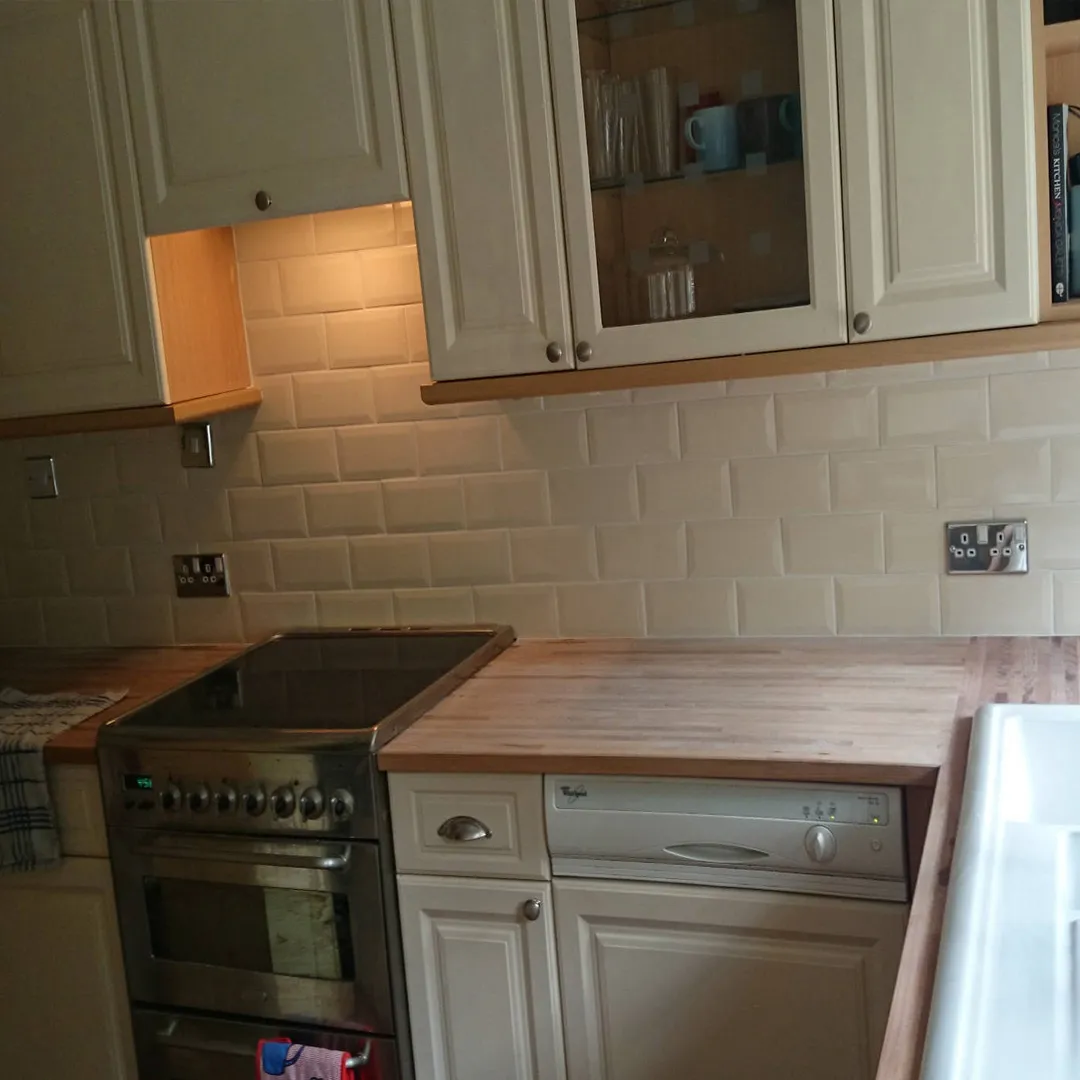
463, 828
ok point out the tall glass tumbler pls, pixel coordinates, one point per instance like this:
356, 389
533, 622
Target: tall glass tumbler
661, 122
601, 124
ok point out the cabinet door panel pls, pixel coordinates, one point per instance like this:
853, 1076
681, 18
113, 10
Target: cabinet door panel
483, 992
297, 99
939, 165
754, 215
695, 983
74, 319
476, 99
61, 974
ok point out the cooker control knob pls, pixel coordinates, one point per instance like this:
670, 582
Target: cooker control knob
170, 798
821, 844
255, 801
198, 798
226, 799
284, 802
312, 804
341, 805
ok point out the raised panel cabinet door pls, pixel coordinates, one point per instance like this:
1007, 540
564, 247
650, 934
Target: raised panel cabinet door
698, 983
481, 980
75, 322
476, 97
700, 169
939, 166
62, 974
296, 99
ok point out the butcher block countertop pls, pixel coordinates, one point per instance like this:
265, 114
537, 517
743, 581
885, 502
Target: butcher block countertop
860, 711
146, 673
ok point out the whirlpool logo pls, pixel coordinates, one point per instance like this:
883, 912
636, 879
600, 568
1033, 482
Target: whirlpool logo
573, 792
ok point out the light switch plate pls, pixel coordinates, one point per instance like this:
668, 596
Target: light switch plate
196, 446
200, 575
41, 478
986, 547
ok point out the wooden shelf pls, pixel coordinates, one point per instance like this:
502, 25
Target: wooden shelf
1061, 38
180, 412
1056, 334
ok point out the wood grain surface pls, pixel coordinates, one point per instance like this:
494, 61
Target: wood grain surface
146, 673
867, 711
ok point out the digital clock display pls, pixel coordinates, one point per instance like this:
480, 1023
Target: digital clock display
137, 782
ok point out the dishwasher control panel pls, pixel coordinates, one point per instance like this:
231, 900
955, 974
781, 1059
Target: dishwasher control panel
833, 839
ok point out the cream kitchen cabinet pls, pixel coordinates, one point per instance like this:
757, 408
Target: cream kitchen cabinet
261, 108
939, 165
617, 244
480, 973
61, 968
92, 316
661, 980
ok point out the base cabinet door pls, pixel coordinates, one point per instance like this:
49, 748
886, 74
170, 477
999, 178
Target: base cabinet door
939, 166
75, 316
293, 100
699, 983
481, 979
62, 976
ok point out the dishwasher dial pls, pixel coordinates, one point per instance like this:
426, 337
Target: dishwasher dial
170, 797
255, 801
284, 802
312, 804
821, 844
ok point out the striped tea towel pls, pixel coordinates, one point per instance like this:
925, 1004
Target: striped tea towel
28, 839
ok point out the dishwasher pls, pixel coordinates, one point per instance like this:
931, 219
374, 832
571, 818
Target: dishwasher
725, 930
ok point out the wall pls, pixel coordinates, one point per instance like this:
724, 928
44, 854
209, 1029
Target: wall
804, 505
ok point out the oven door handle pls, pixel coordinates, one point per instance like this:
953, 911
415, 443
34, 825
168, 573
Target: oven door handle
167, 1037
174, 847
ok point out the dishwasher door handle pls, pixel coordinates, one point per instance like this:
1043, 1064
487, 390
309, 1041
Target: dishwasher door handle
717, 854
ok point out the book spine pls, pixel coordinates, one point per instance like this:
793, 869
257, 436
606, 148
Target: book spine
1057, 119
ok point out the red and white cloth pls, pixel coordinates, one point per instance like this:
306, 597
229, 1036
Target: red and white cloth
283, 1060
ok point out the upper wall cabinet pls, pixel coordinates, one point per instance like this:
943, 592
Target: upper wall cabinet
480, 132
939, 165
700, 176
92, 317
261, 108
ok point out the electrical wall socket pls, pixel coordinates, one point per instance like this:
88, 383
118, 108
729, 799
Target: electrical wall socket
200, 575
986, 547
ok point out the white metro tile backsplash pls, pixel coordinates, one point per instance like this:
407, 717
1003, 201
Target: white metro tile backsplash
808, 504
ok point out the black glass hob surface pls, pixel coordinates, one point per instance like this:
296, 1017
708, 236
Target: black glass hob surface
323, 681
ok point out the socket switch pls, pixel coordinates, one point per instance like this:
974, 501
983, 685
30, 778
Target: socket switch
986, 547
200, 575
40, 478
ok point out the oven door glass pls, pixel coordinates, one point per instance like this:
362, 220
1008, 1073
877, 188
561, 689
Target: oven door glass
289, 930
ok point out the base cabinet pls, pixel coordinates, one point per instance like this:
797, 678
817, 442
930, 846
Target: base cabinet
699, 983
481, 979
62, 975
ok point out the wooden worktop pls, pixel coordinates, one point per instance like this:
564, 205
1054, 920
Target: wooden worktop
146, 673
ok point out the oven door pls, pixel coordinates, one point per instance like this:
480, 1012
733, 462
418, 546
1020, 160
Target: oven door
283, 929
182, 1047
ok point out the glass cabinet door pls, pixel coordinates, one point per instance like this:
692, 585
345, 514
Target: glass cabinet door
699, 147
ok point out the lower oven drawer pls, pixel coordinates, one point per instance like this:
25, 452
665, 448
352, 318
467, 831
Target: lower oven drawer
286, 930
172, 1047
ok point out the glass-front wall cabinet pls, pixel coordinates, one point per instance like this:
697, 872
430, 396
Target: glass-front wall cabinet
700, 170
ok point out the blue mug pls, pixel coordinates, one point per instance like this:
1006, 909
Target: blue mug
713, 133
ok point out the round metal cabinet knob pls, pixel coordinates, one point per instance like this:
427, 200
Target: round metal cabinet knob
821, 844
263, 200
862, 322
554, 352
254, 801
531, 909
312, 804
198, 798
583, 351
